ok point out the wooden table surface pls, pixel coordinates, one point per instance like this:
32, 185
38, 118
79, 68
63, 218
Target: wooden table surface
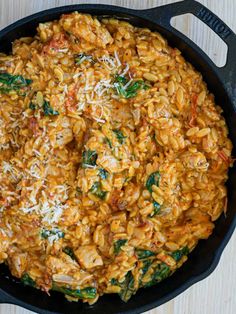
216, 294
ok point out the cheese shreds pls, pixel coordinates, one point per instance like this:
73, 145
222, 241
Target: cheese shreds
128, 83
108, 61
4, 146
102, 86
37, 153
54, 237
80, 106
117, 59
50, 211
126, 69
76, 75
8, 168
35, 171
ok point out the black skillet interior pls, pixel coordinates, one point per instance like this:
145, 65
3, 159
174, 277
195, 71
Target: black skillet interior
221, 81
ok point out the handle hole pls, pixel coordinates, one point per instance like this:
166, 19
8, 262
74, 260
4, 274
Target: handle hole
203, 36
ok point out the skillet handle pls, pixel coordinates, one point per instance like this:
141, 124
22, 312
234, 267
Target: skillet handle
164, 14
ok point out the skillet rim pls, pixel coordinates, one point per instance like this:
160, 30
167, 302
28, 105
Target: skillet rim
87, 8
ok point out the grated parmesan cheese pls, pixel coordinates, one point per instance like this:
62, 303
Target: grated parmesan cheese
125, 70
108, 61
4, 146
49, 210
76, 75
117, 59
102, 86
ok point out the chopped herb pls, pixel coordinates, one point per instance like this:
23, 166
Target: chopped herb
89, 158
32, 106
178, 254
69, 251
96, 190
157, 209
78, 191
45, 234
120, 136
48, 110
81, 57
12, 82
86, 293
107, 141
103, 173
127, 90
27, 280
142, 254
153, 179
118, 244
161, 272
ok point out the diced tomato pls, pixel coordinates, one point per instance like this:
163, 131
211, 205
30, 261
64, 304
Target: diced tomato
193, 110
71, 100
223, 156
58, 41
33, 125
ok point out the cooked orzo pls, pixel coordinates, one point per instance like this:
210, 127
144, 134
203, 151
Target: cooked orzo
113, 158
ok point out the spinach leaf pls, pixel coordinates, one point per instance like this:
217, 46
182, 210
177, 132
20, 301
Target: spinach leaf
132, 89
48, 110
107, 141
127, 287
161, 272
118, 244
121, 79
32, 106
27, 280
142, 254
103, 173
69, 251
78, 191
178, 254
5, 90
146, 264
127, 90
120, 136
86, 293
45, 234
12, 82
157, 209
96, 190
89, 158
81, 57
153, 179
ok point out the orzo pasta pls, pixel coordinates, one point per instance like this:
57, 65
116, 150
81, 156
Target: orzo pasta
113, 158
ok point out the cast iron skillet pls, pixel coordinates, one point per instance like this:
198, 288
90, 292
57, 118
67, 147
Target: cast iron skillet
222, 82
